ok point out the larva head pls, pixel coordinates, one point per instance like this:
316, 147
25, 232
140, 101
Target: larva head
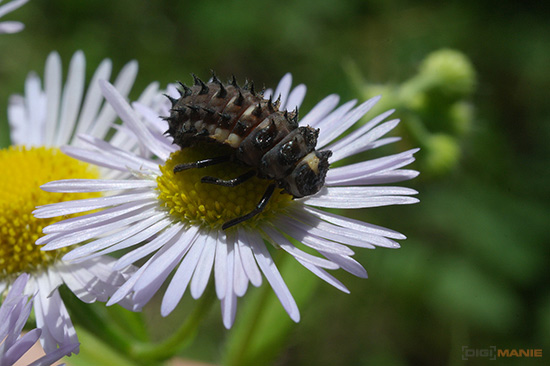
308, 177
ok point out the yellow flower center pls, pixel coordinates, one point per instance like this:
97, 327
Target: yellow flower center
23, 171
210, 205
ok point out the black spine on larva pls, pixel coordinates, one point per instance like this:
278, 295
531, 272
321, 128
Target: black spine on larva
264, 138
214, 111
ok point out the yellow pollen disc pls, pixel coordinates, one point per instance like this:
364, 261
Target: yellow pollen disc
210, 205
24, 170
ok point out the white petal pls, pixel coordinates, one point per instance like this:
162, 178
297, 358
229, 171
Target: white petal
273, 276
153, 245
35, 110
268, 93
229, 301
176, 246
220, 266
331, 122
17, 119
130, 117
138, 233
79, 236
229, 309
301, 233
17, 288
95, 185
247, 258
88, 204
358, 140
335, 233
346, 173
322, 274
162, 264
149, 94
288, 247
320, 110
354, 224
93, 99
55, 319
110, 156
11, 6
123, 84
204, 267
347, 122
52, 84
365, 142
151, 116
124, 238
78, 280
71, 99
240, 279
344, 234
361, 197
393, 176
296, 98
283, 89
19, 348
348, 264
101, 216
127, 286
181, 279
11, 26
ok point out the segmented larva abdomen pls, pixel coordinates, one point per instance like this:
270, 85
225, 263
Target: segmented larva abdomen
230, 115
263, 137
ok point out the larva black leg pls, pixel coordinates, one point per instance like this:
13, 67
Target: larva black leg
202, 163
259, 208
229, 182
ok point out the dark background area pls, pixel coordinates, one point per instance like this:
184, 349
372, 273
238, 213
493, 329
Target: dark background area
474, 269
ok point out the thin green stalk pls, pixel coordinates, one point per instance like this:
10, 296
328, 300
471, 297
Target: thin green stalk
253, 322
130, 322
94, 318
144, 352
235, 358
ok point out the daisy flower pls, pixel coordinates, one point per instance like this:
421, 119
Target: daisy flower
11, 26
174, 221
14, 313
41, 121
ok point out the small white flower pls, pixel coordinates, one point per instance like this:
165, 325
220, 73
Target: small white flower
14, 313
41, 121
175, 220
11, 26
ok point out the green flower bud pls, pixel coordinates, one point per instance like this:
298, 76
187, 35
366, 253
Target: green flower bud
461, 115
450, 72
442, 154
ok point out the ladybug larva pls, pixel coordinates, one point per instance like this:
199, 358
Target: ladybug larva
261, 136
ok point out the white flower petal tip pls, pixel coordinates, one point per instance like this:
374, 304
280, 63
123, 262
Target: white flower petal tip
11, 26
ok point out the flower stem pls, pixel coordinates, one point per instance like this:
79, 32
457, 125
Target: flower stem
237, 356
243, 335
94, 317
144, 352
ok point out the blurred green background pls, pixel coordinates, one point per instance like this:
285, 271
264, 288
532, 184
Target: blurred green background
474, 269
